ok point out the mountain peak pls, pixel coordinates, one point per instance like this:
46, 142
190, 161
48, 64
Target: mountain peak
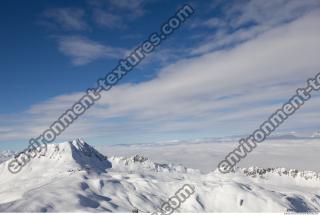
79, 154
75, 155
6, 155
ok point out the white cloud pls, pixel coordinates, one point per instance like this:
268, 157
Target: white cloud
209, 23
225, 92
261, 15
83, 51
269, 12
67, 18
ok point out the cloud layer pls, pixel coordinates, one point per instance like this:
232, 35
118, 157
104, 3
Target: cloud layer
214, 91
221, 92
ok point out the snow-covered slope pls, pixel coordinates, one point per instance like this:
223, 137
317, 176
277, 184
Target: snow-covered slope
74, 177
5, 155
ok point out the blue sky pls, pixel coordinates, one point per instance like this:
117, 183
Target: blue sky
224, 72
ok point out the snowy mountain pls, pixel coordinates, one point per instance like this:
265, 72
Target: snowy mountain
316, 134
6, 155
74, 177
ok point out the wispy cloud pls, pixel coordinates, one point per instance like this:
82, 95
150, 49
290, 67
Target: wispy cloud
107, 13
82, 50
244, 20
65, 18
209, 23
136, 7
219, 92
108, 19
268, 12
116, 14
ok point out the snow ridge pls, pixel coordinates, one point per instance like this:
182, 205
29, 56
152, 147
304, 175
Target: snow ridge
6, 155
141, 162
256, 171
75, 177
